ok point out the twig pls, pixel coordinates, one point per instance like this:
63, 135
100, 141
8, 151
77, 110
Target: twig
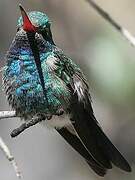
14, 133
3, 146
25, 126
10, 157
124, 32
7, 114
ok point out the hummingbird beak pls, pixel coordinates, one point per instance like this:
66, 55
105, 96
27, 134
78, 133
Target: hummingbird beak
31, 31
35, 51
27, 24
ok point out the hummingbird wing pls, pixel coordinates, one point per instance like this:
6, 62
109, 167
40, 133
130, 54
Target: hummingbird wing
92, 136
87, 129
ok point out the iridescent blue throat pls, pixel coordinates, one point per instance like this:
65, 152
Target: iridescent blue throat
27, 93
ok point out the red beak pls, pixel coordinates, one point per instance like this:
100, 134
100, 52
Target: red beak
27, 25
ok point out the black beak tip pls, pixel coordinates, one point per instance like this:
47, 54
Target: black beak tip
21, 8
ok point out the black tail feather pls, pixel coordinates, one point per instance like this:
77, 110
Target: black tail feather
114, 155
77, 145
97, 143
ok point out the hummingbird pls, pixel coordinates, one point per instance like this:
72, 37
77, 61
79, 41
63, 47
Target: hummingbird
40, 80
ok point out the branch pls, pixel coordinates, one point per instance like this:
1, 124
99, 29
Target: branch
124, 32
14, 133
25, 126
3, 146
7, 114
10, 157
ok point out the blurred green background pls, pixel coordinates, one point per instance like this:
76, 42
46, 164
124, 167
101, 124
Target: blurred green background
107, 60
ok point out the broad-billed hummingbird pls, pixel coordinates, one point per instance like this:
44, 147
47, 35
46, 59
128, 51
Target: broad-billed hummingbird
41, 81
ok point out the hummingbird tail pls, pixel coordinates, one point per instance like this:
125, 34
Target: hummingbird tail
93, 138
78, 146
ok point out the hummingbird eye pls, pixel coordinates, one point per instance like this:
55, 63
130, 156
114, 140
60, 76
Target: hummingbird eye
40, 29
46, 32
43, 30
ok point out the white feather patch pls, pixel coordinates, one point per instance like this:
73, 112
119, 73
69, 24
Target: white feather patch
79, 90
51, 62
57, 122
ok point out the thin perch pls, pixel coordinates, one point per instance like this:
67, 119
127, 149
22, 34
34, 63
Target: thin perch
124, 32
25, 126
10, 157
7, 114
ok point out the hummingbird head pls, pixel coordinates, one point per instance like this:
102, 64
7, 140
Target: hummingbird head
35, 22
